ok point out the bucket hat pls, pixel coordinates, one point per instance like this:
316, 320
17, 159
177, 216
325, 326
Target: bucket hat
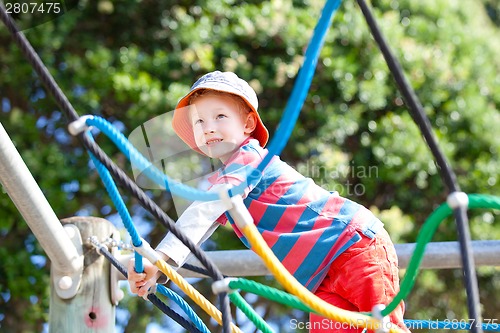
227, 82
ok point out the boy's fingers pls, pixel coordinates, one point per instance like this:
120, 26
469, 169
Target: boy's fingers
144, 290
141, 290
141, 283
134, 276
133, 288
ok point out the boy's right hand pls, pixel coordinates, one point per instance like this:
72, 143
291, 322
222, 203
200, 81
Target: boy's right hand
141, 282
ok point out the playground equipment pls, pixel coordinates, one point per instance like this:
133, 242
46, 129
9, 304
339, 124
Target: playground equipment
67, 280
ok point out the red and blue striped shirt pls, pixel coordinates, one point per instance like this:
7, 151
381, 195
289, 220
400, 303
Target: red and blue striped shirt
305, 226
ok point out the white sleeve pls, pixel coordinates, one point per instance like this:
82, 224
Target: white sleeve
198, 223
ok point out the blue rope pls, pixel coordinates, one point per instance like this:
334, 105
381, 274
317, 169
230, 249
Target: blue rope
184, 306
453, 325
303, 83
120, 206
299, 93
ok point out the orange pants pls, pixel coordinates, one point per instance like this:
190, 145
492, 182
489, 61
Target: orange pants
364, 275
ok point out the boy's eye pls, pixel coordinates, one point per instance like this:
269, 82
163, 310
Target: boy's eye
199, 121
221, 116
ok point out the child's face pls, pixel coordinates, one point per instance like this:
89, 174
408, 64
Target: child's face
219, 126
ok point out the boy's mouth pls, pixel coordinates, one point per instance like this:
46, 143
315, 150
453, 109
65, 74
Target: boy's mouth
212, 141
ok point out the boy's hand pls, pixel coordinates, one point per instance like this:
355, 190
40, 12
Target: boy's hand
141, 282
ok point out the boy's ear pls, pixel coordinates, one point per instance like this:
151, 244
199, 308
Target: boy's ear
250, 123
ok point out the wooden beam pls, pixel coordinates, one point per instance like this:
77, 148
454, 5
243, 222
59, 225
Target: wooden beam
91, 310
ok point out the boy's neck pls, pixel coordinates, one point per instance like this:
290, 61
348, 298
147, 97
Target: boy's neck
246, 141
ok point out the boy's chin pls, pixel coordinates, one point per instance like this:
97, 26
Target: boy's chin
220, 150
218, 155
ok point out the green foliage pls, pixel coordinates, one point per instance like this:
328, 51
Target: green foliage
130, 61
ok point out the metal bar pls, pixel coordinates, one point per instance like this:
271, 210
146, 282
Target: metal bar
438, 255
35, 209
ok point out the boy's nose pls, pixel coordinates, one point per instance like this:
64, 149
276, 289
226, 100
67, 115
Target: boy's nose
209, 128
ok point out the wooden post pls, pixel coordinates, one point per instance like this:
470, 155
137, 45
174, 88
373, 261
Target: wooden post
91, 310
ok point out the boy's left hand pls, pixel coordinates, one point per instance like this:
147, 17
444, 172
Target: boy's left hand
140, 283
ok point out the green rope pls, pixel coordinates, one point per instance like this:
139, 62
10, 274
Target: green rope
270, 293
240, 302
424, 237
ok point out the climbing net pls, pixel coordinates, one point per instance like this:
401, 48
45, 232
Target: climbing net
296, 295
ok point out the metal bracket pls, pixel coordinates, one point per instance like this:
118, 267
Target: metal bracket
385, 323
222, 286
66, 285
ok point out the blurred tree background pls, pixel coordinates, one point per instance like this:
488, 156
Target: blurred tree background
131, 60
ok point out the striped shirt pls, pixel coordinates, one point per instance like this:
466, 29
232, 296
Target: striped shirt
305, 226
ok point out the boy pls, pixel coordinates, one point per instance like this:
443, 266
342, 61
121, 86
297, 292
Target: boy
335, 247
